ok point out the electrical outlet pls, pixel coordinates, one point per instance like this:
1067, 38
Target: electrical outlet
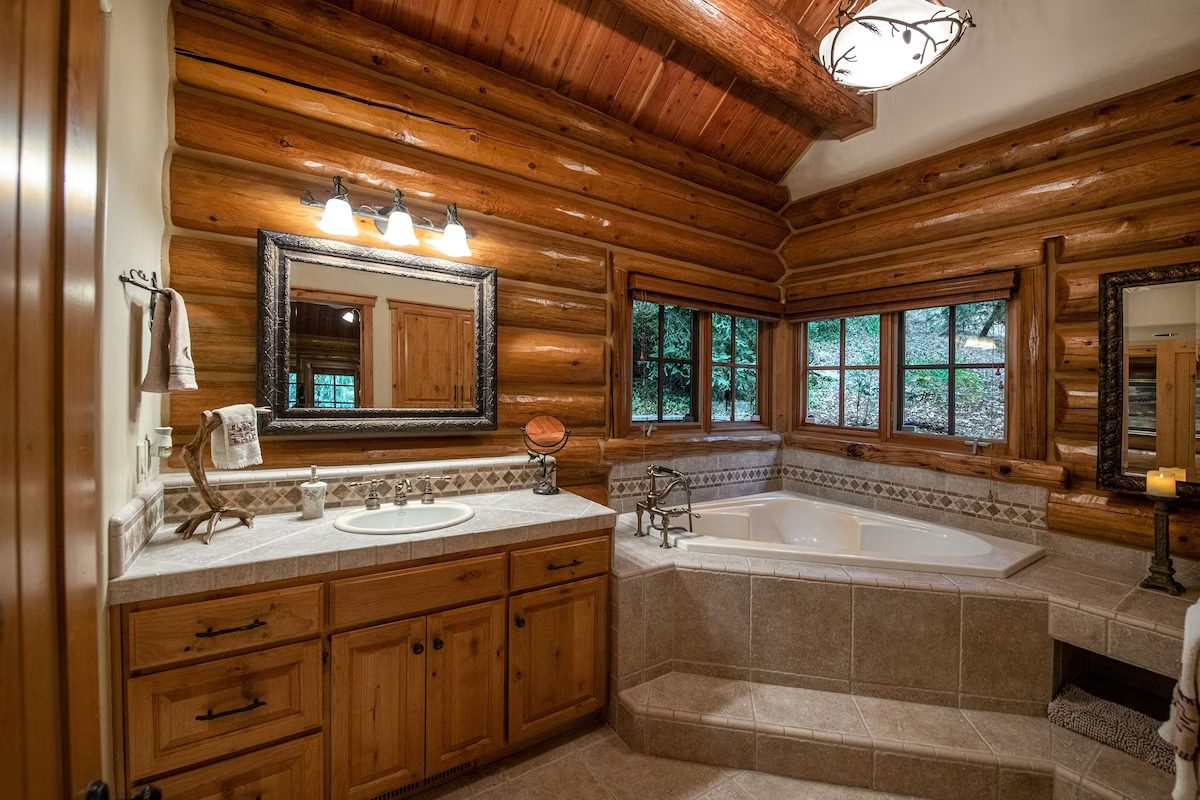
142, 460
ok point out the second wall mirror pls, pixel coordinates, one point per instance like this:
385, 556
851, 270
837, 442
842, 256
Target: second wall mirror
362, 340
1149, 393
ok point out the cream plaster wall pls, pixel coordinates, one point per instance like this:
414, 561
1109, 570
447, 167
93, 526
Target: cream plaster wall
1027, 60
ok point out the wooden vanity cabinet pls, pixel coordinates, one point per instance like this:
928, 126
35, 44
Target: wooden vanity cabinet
374, 684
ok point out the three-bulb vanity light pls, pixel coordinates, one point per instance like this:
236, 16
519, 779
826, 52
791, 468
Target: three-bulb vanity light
394, 223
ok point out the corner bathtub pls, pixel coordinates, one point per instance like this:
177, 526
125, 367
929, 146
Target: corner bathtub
791, 526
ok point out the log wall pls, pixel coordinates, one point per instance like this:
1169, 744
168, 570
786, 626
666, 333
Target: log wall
1110, 187
259, 118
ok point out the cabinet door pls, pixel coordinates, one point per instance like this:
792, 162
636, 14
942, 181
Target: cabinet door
465, 685
377, 726
424, 356
465, 345
556, 656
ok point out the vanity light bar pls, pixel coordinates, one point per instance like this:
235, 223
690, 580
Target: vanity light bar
339, 212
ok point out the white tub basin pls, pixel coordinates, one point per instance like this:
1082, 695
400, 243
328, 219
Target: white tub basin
405, 519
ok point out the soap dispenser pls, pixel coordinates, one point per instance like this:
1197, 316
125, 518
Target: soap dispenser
312, 497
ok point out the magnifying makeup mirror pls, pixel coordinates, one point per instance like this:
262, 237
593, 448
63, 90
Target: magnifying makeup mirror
544, 436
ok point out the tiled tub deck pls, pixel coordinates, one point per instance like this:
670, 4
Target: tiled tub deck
847, 649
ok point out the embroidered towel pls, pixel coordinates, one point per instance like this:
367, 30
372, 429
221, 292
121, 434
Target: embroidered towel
235, 441
1182, 728
170, 368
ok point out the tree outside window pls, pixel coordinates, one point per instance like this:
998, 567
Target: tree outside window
843, 372
734, 368
664, 363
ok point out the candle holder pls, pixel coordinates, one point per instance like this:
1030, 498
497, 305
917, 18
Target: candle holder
1162, 570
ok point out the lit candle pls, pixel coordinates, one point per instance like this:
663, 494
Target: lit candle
1179, 472
1160, 483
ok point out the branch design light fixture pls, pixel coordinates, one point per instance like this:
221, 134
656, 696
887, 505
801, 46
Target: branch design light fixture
395, 224
889, 41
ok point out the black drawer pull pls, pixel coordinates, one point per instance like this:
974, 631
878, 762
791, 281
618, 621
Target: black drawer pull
418, 648
575, 562
438, 644
520, 621
210, 633
211, 715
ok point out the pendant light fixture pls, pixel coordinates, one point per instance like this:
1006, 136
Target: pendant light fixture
399, 228
454, 238
395, 224
338, 219
889, 41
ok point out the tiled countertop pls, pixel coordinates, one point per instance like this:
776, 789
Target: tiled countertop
282, 546
1096, 605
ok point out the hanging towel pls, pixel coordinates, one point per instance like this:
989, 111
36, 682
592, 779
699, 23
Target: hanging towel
1182, 729
170, 368
235, 441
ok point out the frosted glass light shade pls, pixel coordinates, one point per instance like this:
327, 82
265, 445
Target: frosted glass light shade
889, 41
454, 241
338, 219
400, 229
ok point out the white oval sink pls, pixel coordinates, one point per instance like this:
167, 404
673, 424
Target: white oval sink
404, 519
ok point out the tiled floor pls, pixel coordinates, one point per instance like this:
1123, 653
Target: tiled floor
593, 764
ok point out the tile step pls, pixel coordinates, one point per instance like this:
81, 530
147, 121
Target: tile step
893, 746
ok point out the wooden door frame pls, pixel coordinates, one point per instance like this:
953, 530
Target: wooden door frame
50, 87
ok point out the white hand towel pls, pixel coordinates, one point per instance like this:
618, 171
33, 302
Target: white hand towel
235, 442
1182, 730
170, 368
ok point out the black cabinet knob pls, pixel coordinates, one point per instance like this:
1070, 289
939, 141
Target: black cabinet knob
520, 622
438, 644
418, 648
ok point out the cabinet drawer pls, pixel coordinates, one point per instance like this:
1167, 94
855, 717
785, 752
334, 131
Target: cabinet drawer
192, 714
164, 636
356, 601
289, 771
543, 566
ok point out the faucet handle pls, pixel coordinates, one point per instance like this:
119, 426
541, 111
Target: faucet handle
372, 484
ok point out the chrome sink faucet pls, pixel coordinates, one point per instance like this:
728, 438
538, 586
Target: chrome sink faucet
654, 497
403, 487
425, 486
372, 492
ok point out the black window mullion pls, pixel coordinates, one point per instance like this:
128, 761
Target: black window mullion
951, 337
662, 348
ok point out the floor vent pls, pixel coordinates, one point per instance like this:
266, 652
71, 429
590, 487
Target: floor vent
448, 773
401, 791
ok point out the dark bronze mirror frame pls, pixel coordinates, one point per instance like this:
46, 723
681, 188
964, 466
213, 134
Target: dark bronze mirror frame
1109, 473
276, 251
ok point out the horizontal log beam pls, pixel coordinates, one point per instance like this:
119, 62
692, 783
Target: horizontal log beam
216, 196
1076, 403
1077, 347
1119, 518
635, 448
1137, 230
1077, 454
550, 359
694, 274
384, 51
211, 123
523, 306
268, 72
763, 47
1161, 107
1166, 165
1014, 470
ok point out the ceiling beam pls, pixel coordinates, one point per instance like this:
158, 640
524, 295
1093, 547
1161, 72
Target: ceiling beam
764, 48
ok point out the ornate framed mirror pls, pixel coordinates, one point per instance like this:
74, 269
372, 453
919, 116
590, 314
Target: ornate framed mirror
357, 340
1149, 403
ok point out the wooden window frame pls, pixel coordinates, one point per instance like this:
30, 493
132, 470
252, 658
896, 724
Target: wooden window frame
662, 359
733, 365
705, 301
890, 373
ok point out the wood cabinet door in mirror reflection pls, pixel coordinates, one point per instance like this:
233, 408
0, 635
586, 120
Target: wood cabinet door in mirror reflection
433, 355
1162, 397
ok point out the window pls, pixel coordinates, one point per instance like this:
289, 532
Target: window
922, 372
664, 363
333, 390
675, 346
734, 368
293, 389
843, 372
952, 374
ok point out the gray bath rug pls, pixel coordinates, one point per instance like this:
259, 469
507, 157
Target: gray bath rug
1112, 724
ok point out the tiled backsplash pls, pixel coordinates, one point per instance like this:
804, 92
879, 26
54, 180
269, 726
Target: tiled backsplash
276, 491
1011, 510
713, 477
132, 526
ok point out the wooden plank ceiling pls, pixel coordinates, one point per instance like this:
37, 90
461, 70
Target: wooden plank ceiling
596, 53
